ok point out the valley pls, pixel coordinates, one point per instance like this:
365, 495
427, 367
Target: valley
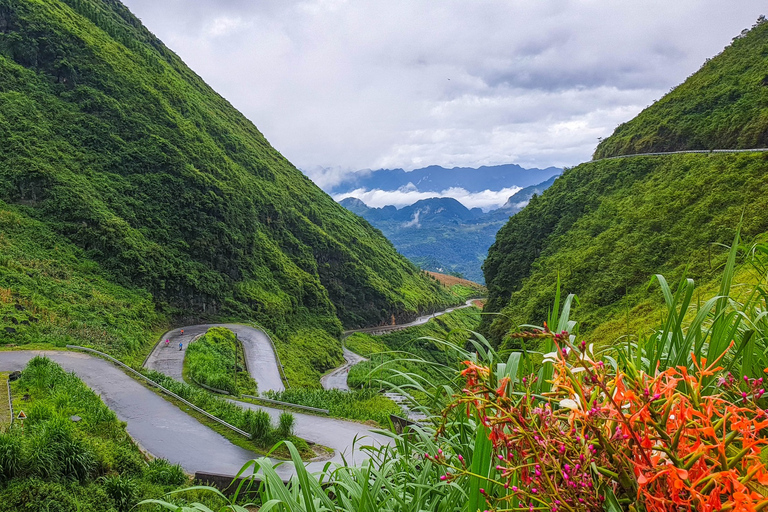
178, 299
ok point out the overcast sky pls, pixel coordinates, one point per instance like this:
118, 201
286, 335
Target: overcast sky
346, 85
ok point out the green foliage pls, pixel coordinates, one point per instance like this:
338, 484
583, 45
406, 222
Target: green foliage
724, 105
216, 360
132, 194
256, 423
363, 404
121, 490
466, 292
54, 464
11, 457
285, 425
666, 214
162, 472
427, 351
307, 354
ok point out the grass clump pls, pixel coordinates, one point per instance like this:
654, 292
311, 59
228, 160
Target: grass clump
216, 360
361, 405
53, 463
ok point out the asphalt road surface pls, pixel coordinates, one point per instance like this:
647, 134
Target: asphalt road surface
157, 425
168, 432
337, 379
261, 360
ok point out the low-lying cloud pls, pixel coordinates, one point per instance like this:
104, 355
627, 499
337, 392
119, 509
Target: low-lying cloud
487, 199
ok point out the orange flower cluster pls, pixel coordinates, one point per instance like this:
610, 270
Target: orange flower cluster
696, 452
661, 442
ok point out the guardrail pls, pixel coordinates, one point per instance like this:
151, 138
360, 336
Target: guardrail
209, 388
10, 400
161, 388
288, 404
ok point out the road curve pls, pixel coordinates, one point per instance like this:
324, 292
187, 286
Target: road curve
337, 379
259, 355
380, 329
166, 431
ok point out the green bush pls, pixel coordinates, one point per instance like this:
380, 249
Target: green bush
362, 404
285, 425
11, 457
160, 471
212, 361
257, 423
121, 490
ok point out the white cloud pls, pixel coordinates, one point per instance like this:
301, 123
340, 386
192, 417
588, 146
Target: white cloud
224, 25
344, 85
487, 199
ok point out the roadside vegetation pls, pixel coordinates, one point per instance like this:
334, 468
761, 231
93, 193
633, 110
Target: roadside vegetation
360, 405
53, 463
216, 360
257, 423
668, 419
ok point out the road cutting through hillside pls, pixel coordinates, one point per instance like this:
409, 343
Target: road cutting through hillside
166, 431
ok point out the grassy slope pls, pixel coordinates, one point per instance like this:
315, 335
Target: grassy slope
155, 199
651, 215
463, 288
656, 215
42, 461
721, 106
453, 327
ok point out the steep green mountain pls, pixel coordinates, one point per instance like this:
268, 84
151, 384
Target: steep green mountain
133, 196
721, 106
606, 227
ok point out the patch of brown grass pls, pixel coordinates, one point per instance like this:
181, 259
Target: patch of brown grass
452, 280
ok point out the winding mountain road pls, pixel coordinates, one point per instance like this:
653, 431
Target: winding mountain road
168, 432
260, 357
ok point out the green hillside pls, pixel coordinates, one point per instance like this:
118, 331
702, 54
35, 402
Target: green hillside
606, 227
132, 196
724, 105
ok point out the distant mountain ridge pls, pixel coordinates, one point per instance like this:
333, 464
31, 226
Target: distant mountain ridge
440, 234
436, 178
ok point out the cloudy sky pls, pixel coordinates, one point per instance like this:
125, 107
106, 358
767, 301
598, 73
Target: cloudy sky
342, 85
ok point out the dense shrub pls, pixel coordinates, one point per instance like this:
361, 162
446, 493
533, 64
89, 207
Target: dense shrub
214, 360
55, 464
